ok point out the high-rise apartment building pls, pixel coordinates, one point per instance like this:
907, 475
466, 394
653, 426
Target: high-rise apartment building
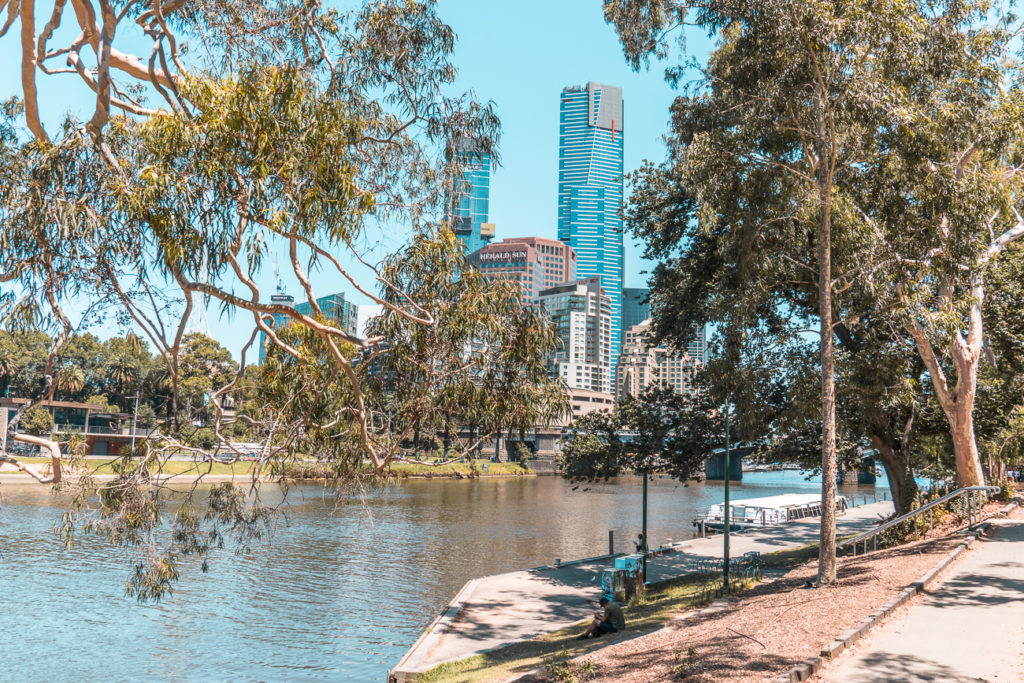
634, 310
533, 262
698, 346
334, 307
581, 314
642, 364
590, 188
469, 203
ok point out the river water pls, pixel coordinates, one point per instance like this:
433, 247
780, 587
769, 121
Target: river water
339, 592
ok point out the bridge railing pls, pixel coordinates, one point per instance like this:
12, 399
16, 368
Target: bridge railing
974, 495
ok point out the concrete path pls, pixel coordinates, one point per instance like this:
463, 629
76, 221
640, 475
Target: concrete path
498, 610
970, 628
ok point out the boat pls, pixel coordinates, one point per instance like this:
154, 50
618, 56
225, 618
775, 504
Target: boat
791, 466
753, 513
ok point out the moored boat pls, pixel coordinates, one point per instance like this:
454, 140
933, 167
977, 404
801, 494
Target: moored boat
764, 512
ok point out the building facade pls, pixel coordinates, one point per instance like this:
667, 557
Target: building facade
335, 308
590, 187
642, 364
470, 200
581, 313
534, 263
634, 308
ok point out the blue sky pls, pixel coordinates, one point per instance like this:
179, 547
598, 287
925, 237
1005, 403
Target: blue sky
520, 55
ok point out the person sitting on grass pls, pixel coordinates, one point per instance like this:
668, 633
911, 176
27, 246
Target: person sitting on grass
609, 621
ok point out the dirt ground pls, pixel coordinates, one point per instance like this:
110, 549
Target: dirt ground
770, 628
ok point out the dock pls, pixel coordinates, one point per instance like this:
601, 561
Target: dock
494, 611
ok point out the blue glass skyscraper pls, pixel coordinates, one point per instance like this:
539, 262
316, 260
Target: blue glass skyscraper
471, 195
590, 188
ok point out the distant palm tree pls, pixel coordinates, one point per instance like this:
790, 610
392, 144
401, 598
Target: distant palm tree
122, 372
70, 380
6, 371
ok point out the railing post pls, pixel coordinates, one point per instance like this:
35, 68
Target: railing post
611, 541
874, 542
931, 521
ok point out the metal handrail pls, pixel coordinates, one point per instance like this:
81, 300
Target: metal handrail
864, 536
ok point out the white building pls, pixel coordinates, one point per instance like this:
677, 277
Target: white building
582, 315
642, 364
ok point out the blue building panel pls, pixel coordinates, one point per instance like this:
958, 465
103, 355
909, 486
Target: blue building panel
590, 188
469, 205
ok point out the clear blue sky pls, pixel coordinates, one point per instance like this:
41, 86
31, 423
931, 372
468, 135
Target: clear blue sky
520, 55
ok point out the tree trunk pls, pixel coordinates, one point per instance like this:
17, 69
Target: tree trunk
898, 471
965, 450
827, 536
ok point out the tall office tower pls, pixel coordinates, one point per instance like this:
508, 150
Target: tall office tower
581, 314
534, 263
634, 310
590, 188
335, 308
468, 204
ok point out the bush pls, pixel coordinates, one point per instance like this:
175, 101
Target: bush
1006, 490
37, 421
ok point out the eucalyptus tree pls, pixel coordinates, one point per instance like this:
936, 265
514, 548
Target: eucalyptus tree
762, 145
481, 366
246, 128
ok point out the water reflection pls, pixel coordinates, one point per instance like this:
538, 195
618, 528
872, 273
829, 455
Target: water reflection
341, 590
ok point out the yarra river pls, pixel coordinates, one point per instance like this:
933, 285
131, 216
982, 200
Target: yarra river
340, 590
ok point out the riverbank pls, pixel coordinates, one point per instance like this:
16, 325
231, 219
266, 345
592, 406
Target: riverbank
497, 611
186, 471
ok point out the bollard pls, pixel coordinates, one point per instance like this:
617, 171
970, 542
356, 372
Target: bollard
611, 541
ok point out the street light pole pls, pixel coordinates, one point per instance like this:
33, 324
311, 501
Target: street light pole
135, 420
727, 508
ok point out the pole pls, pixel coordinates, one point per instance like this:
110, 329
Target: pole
135, 420
645, 545
727, 509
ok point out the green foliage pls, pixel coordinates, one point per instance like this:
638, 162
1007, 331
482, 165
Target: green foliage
563, 670
38, 421
657, 432
479, 364
855, 112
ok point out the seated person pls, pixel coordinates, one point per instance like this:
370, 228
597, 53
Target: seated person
610, 621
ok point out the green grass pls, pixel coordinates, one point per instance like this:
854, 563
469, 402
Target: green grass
408, 469
172, 467
299, 470
661, 603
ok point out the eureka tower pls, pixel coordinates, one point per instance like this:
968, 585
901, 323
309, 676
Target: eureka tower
590, 189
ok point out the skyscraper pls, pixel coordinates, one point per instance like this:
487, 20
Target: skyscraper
338, 311
590, 188
471, 196
634, 310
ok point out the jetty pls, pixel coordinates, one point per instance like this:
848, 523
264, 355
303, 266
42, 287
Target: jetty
494, 611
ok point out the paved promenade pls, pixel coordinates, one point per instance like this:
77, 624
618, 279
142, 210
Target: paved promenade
970, 628
498, 610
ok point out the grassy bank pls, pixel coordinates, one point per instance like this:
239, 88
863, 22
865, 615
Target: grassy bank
312, 470
660, 604
172, 467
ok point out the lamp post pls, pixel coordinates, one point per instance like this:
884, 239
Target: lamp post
727, 509
135, 420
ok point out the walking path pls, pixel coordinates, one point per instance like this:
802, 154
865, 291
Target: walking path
498, 610
970, 628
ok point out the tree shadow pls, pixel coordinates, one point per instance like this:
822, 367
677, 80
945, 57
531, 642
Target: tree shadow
886, 666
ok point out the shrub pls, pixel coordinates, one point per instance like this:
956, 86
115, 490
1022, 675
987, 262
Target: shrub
37, 421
